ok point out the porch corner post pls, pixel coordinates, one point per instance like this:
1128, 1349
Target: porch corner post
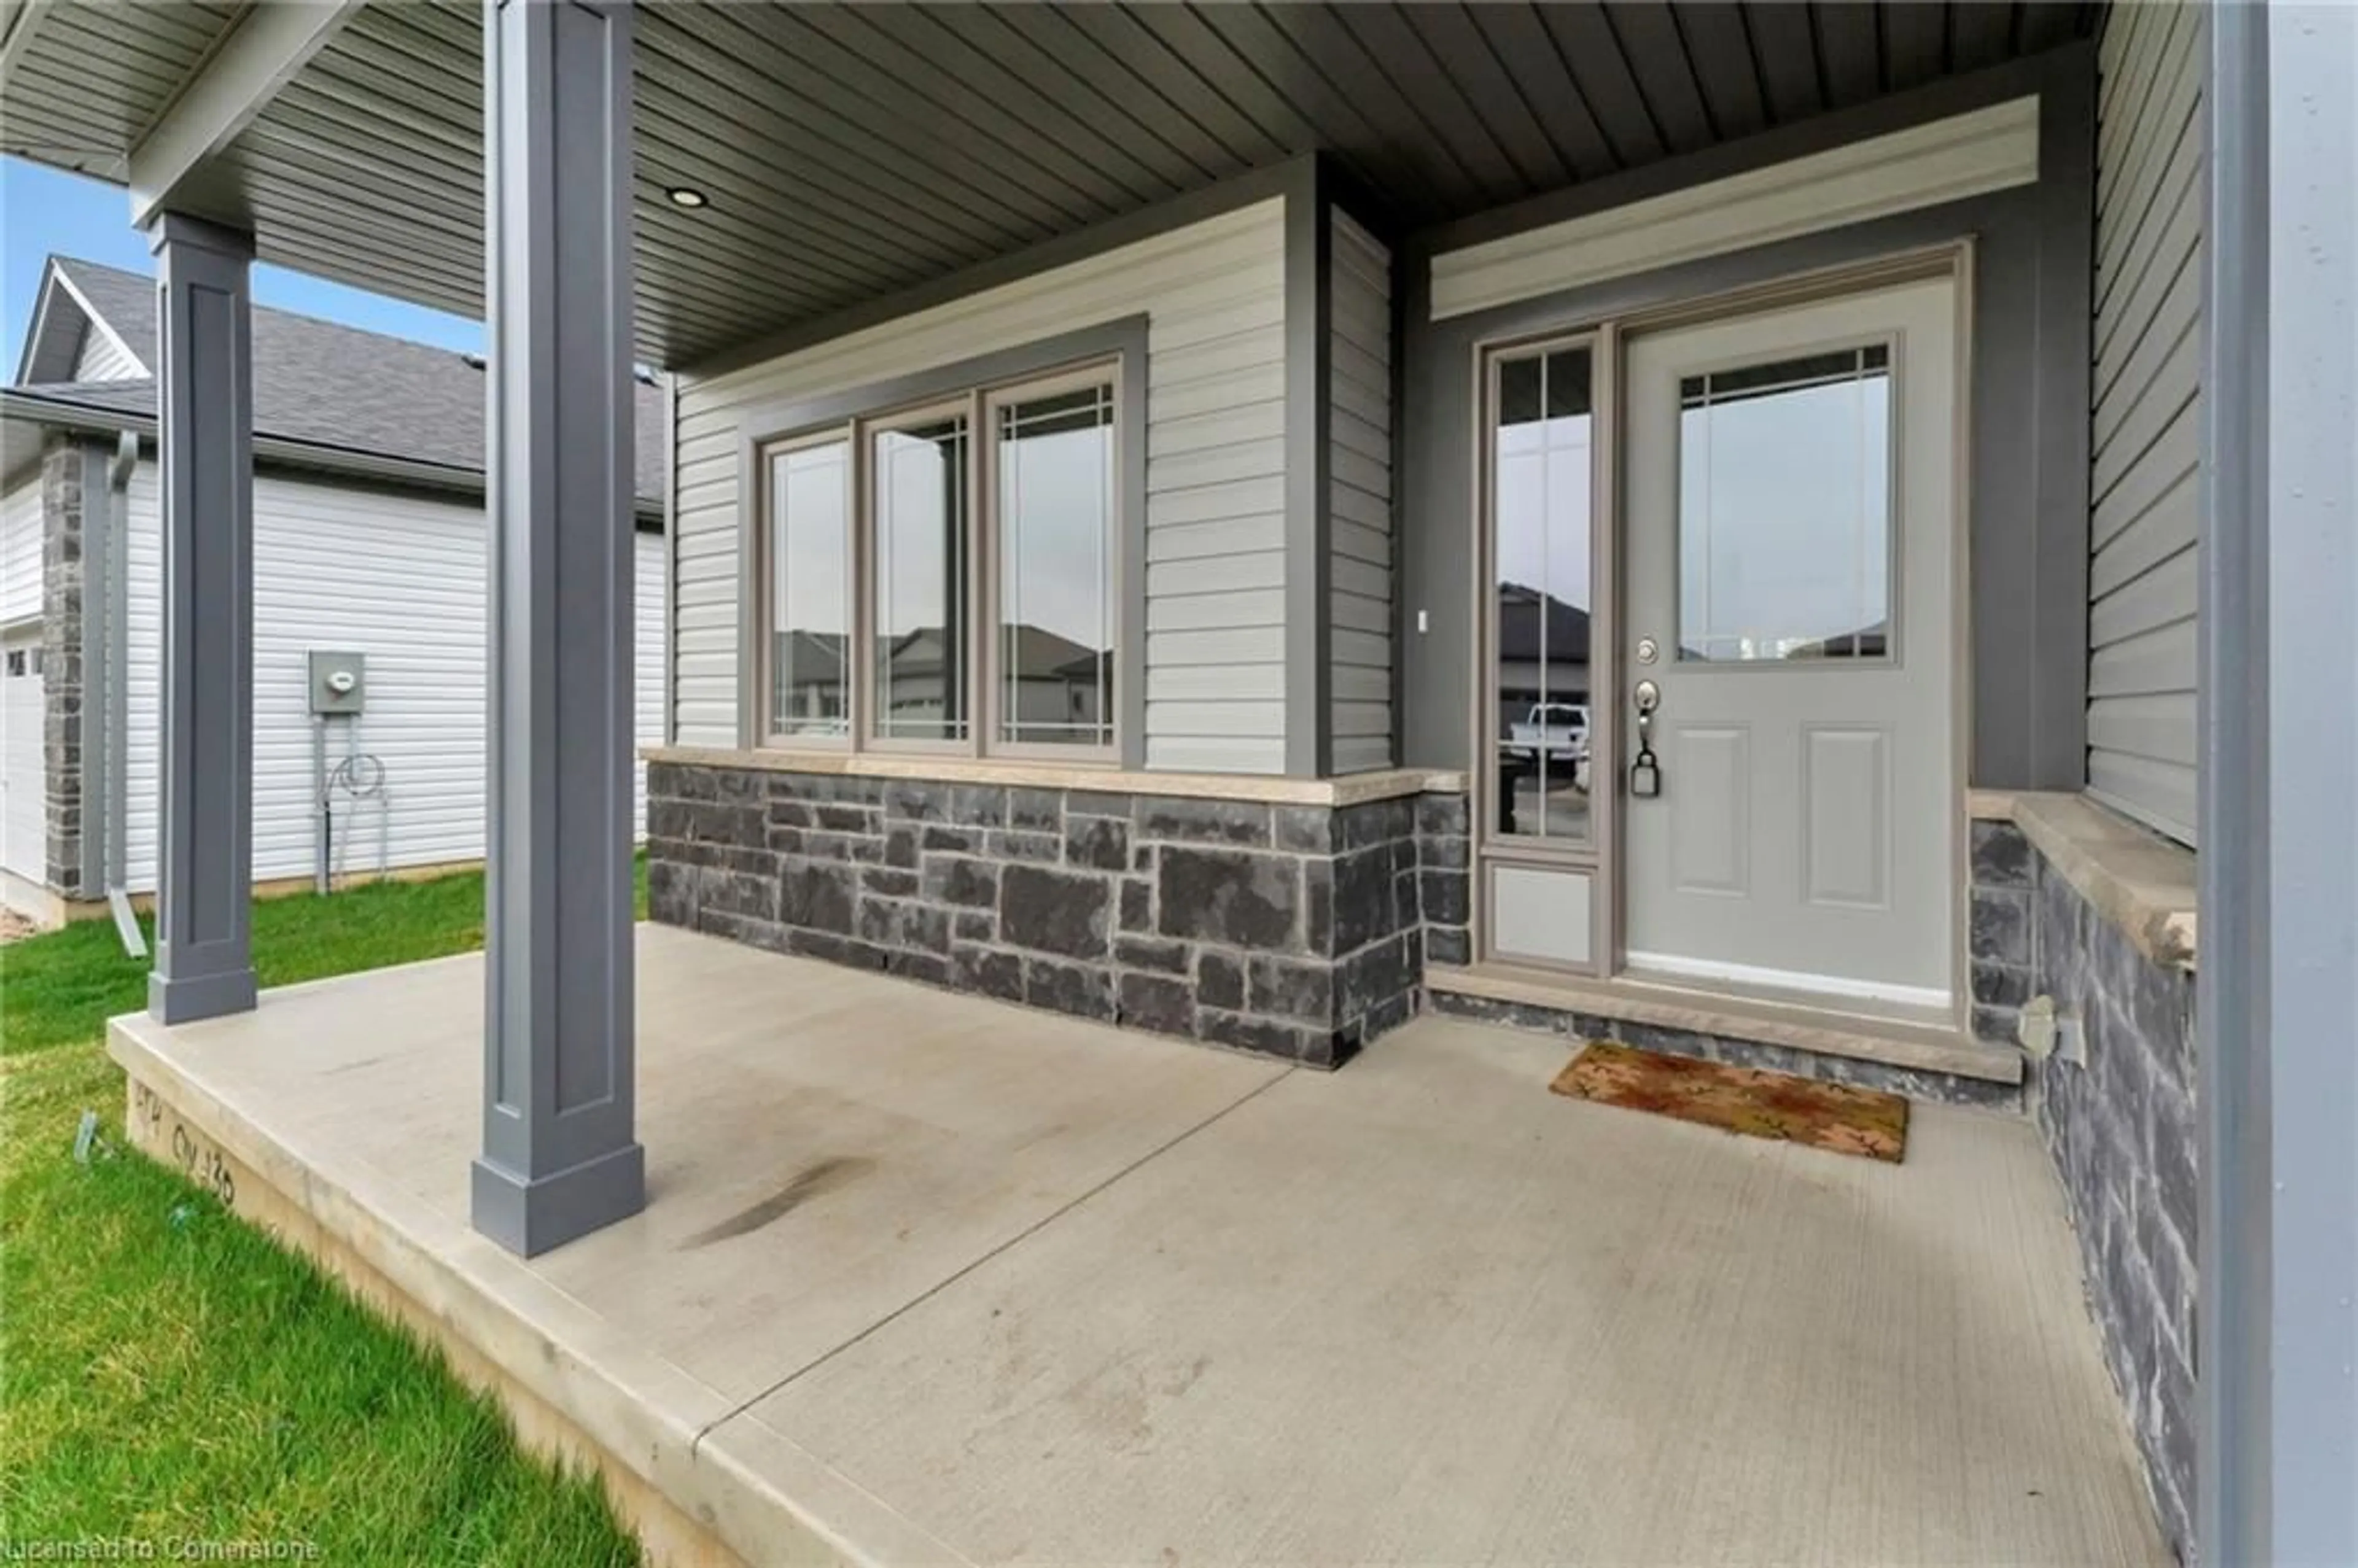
205, 884
2277, 1437
559, 1156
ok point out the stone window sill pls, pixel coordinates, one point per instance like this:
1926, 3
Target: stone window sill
2137, 880
1352, 789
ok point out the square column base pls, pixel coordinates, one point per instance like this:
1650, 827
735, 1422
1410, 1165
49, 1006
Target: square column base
530, 1217
178, 999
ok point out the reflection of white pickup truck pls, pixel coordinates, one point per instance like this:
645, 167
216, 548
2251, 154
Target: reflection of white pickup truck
1555, 736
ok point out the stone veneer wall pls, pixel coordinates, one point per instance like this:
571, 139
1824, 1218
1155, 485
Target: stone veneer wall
1293, 931
61, 662
2120, 1129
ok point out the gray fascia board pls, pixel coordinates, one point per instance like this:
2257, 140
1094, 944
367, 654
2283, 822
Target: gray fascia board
40, 327
1258, 185
309, 457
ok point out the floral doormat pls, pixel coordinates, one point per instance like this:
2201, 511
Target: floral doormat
1758, 1104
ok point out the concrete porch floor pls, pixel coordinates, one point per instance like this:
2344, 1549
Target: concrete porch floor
925, 1278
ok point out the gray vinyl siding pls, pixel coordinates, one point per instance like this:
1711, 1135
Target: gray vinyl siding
1214, 294
2148, 413
103, 358
1359, 481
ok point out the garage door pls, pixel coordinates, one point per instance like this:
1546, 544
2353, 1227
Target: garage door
24, 831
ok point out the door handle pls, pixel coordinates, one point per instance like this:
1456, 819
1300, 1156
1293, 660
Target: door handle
1645, 773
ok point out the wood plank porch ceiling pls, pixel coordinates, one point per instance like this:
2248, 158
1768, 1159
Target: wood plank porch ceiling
851, 151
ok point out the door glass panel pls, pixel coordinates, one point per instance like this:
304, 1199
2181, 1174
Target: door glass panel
921, 502
1785, 510
1055, 465
810, 599
1541, 468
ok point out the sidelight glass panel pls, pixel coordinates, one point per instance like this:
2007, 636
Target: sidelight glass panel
1542, 469
1785, 510
920, 507
810, 597
1054, 467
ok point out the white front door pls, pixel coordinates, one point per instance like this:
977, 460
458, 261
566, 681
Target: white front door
1790, 573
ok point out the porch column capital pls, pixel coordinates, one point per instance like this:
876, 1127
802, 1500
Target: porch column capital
204, 396
187, 233
559, 1157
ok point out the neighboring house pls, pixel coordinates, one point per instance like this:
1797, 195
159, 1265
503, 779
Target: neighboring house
368, 539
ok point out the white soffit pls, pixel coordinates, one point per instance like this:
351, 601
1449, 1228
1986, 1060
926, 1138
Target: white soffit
1924, 166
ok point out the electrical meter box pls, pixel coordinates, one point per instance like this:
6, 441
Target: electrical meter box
339, 681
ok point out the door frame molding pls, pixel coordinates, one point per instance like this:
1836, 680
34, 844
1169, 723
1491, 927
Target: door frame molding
1952, 260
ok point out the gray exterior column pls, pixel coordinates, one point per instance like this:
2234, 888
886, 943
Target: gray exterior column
560, 1158
2277, 1429
204, 960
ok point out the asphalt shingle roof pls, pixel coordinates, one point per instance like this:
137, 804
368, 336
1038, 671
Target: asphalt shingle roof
330, 385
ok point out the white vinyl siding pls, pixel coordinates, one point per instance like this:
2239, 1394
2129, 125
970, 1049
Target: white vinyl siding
24, 774
20, 551
399, 578
1360, 496
105, 357
1214, 294
2148, 413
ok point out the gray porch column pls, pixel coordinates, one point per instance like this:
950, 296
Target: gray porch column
560, 1158
204, 960
2278, 1434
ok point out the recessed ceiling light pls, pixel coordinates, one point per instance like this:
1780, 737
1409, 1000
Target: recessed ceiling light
686, 196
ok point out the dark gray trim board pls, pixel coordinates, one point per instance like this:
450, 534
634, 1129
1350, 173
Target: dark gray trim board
2028, 509
1123, 339
1260, 185
1309, 357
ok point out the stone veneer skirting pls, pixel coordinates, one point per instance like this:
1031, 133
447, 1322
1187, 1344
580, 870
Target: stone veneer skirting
63, 503
2120, 1129
1296, 931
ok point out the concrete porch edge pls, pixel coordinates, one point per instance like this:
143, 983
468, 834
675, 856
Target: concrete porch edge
693, 1492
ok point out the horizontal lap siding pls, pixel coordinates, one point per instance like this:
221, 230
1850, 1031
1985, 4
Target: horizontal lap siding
400, 578
20, 551
1359, 479
1214, 294
103, 358
2147, 415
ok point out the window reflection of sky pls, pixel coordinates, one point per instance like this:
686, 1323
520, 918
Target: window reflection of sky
1784, 512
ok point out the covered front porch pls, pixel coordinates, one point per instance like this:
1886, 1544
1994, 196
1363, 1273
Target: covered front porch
929, 1278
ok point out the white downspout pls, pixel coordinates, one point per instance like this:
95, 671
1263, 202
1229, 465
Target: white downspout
116, 695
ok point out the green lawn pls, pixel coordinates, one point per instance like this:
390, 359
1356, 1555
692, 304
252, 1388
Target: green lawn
165, 1371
